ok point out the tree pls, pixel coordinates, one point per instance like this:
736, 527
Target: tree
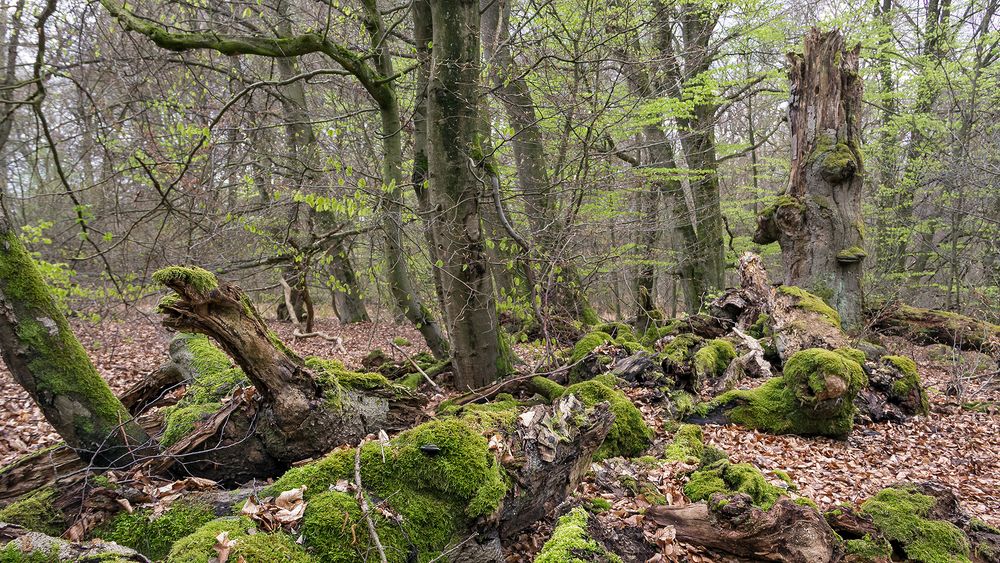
46, 359
455, 164
818, 220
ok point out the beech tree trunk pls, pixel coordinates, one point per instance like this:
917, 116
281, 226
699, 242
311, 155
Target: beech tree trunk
453, 145
818, 221
46, 359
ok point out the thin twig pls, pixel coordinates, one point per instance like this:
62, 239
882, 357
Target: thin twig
363, 502
414, 364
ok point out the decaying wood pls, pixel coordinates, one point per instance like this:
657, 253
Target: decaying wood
787, 532
294, 419
552, 453
39, 543
928, 326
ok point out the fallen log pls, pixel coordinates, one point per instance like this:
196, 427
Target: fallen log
928, 326
788, 532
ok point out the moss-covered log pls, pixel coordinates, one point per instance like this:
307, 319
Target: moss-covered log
928, 326
46, 359
307, 407
440, 486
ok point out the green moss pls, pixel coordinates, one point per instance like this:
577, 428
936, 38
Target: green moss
655, 333
727, 478
11, 553
58, 364
813, 397
687, 446
852, 254
682, 403
200, 279
618, 331
712, 359
761, 327
498, 414
547, 388
784, 477
153, 537
835, 159
570, 542
179, 421
679, 349
809, 302
780, 201
401, 342
35, 512
598, 505
901, 516
333, 373
710, 455
436, 495
629, 436
587, 344
249, 545
590, 317
909, 382
852, 354
803, 501
215, 377
868, 549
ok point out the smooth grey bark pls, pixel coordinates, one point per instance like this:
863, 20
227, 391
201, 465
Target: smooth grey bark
400, 281
818, 221
452, 144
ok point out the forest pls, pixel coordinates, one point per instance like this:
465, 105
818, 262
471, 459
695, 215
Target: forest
419, 281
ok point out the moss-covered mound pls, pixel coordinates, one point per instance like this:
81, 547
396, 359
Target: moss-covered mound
436, 477
728, 478
680, 349
814, 396
712, 359
902, 517
570, 542
907, 388
868, 549
629, 435
214, 378
687, 445
813, 303
154, 536
587, 344
35, 512
248, 545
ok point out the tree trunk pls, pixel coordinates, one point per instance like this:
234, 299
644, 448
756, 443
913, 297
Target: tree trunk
347, 302
46, 359
818, 221
530, 160
453, 147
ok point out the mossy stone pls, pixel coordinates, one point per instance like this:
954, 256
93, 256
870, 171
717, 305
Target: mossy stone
629, 436
728, 478
712, 359
153, 537
587, 344
901, 516
687, 446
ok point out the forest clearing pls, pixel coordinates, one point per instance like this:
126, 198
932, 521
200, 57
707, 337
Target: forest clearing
500, 281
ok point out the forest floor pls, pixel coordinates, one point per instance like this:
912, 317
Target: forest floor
958, 444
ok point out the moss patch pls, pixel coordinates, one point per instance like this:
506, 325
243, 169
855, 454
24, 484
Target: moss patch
728, 478
154, 537
901, 516
908, 386
687, 446
547, 388
200, 279
35, 512
587, 344
810, 302
629, 436
712, 359
868, 549
570, 542
250, 546
435, 491
814, 396
679, 350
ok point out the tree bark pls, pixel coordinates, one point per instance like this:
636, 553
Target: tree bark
818, 221
349, 306
787, 532
453, 146
46, 359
